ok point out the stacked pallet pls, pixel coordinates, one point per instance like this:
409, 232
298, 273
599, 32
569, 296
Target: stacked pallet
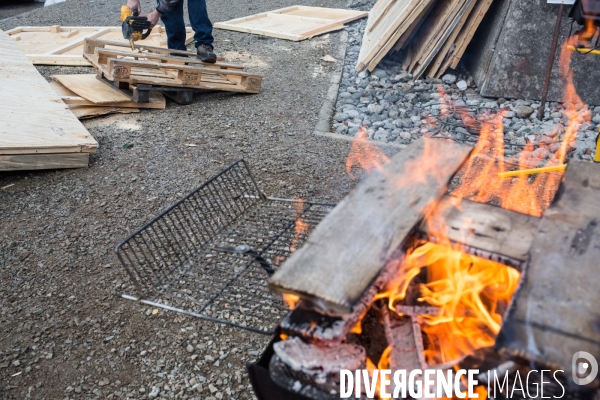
173, 72
430, 36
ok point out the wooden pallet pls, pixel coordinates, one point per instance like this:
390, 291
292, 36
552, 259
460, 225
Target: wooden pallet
159, 68
293, 23
37, 131
63, 45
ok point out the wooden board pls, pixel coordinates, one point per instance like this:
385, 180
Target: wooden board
556, 311
293, 23
466, 35
87, 112
56, 45
408, 24
186, 71
30, 162
348, 249
439, 58
90, 88
385, 19
504, 234
34, 118
433, 44
157, 100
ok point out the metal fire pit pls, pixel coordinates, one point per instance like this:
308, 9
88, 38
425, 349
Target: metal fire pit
210, 254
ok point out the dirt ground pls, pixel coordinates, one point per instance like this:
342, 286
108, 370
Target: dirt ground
64, 332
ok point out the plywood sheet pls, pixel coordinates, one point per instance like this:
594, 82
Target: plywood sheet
293, 23
34, 118
56, 45
29, 162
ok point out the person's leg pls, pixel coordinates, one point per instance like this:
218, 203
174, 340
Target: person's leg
175, 27
200, 22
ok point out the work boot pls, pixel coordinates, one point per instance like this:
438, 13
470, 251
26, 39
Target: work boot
205, 54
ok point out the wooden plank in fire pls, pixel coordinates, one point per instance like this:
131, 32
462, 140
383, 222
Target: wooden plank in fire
348, 249
556, 311
487, 231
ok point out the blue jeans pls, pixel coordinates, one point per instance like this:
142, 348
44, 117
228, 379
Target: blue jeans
175, 26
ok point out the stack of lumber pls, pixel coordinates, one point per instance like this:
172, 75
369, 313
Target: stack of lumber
88, 97
63, 45
37, 130
430, 35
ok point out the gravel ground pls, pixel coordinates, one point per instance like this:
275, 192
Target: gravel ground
64, 333
10, 8
397, 109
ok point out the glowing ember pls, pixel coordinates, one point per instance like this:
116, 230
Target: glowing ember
291, 300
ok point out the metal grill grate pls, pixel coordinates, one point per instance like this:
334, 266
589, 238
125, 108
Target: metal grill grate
210, 254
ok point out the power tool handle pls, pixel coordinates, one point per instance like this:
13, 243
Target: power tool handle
148, 32
135, 12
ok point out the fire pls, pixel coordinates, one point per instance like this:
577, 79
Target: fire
301, 225
364, 154
291, 300
525, 194
471, 292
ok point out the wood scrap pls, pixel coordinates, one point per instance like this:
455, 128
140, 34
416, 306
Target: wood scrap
35, 120
555, 312
156, 99
87, 112
506, 236
90, 88
355, 241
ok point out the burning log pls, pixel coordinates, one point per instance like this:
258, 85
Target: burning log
556, 313
405, 341
316, 325
311, 370
486, 231
346, 252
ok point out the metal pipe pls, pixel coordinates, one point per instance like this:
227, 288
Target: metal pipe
551, 62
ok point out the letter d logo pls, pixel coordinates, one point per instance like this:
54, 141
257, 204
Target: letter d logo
580, 368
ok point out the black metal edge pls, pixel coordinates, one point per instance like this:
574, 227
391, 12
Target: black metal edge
151, 222
262, 384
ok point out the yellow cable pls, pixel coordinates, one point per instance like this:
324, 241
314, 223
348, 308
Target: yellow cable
553, 168
583, 50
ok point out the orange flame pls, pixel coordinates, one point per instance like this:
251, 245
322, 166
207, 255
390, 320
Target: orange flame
364, 154
471, 293
301, 225
291, 300
525, 194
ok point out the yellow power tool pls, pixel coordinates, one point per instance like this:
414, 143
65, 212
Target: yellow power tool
134, 26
